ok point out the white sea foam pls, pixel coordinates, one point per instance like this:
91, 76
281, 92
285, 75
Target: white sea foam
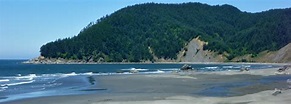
170, 69
138, 69
62, 75
154, 72
2, 88
88, 73
70, 74
214, 67
237, 67
28, 77
4, 80
51, 75
20, 79
160, 71
227, 67
17, 80
19, 83
247, 66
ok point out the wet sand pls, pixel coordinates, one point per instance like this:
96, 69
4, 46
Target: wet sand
226, 87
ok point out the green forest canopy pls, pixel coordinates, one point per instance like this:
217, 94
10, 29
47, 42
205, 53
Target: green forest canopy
137, 32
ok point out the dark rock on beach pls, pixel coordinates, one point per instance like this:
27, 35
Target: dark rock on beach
186, 67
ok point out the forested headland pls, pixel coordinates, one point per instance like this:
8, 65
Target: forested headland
138, 33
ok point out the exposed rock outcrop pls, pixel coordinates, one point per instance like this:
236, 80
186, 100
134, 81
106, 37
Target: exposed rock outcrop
194, 52
186, 67
43, 60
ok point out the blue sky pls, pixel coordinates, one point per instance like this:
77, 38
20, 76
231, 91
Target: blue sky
25, 25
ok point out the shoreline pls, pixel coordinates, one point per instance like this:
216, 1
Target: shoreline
186, 87
43, 60
250, 63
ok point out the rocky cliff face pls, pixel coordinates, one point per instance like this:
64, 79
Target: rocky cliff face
194, 52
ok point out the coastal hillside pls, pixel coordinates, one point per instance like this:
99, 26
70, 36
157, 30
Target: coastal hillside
283, 55
163, 32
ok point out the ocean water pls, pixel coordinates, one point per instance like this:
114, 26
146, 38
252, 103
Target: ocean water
19, 81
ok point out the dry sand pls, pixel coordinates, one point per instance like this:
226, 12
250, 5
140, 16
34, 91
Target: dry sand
181, 88
263, 97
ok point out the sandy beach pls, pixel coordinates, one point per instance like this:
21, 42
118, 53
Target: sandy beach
222, 87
